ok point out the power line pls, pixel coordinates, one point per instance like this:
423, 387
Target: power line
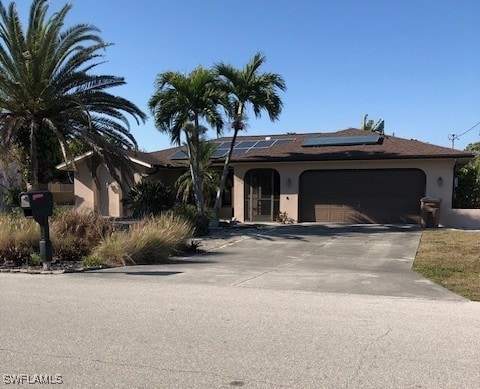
454, 137
470, 129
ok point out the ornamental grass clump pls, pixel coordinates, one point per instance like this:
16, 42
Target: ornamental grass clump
76, 233
149, 241
19, 237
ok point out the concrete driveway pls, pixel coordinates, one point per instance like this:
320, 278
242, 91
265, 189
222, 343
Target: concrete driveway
358, 259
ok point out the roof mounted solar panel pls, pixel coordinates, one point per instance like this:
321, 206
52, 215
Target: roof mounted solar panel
341, 141
222, 145
279, 142
241, 147
219, 153
245, 144
179, 155
239, 151
262, 144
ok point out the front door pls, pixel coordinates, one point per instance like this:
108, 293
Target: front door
262, 195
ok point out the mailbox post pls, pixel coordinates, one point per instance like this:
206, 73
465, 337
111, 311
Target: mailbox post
38, 205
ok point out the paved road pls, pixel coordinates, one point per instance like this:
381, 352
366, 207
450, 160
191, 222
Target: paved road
145, 333
169, 329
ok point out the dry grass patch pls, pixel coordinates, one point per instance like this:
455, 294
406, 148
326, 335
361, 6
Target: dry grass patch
451, 259
149, 241
19, 237
76, 233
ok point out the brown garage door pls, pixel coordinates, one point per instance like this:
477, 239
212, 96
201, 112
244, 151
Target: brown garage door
361, 196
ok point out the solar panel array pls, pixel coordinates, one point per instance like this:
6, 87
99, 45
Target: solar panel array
241, 147
341, 141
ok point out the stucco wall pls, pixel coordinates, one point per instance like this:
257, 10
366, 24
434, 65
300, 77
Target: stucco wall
109, 194
462, 218
105, 200
290, 176
289, 186
83, 187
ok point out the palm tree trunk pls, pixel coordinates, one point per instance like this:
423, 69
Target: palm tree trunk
223, 179
194, 164
33, 158
236, 128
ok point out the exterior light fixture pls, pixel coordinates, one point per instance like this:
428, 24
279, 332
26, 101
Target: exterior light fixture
289, 183
440, 181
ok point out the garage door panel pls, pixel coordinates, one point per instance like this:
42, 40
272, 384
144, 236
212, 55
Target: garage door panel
334, 213
362, 196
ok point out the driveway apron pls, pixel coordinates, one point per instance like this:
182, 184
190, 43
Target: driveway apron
353, 259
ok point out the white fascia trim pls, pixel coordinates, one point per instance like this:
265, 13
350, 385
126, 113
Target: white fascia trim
137, 161
64, 165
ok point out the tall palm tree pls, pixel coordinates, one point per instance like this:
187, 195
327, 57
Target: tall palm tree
247, 88
48, 95
180, 104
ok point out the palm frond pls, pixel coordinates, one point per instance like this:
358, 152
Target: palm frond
46, 84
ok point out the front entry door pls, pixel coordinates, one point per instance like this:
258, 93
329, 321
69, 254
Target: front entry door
262, 195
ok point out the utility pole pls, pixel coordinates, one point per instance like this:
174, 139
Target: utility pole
453, 138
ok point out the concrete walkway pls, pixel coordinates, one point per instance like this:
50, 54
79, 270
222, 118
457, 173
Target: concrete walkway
358, 259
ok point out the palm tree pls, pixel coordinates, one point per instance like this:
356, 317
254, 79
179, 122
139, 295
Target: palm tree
48, 95
179, 105
209, 175
372, 126
246, 87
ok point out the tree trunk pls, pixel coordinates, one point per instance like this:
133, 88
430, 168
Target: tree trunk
223, 179
33, 158
194, 164
236, 128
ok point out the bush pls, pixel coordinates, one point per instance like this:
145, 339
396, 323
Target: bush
190, 213
11, 196
148, 198
34, 260
19, 237
468, 192
91, 261
149, 241
76, 233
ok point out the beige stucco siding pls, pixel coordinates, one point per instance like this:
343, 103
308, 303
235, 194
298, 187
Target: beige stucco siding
461, 218
290, 176
106, 199
110, 194
83, 187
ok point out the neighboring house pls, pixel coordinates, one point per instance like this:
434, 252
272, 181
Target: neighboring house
349, 176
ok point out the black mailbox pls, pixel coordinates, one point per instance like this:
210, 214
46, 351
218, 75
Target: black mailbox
37, 204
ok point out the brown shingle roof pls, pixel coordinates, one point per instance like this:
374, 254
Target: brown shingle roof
388, 147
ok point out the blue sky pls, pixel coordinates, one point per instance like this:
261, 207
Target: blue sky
413, 63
